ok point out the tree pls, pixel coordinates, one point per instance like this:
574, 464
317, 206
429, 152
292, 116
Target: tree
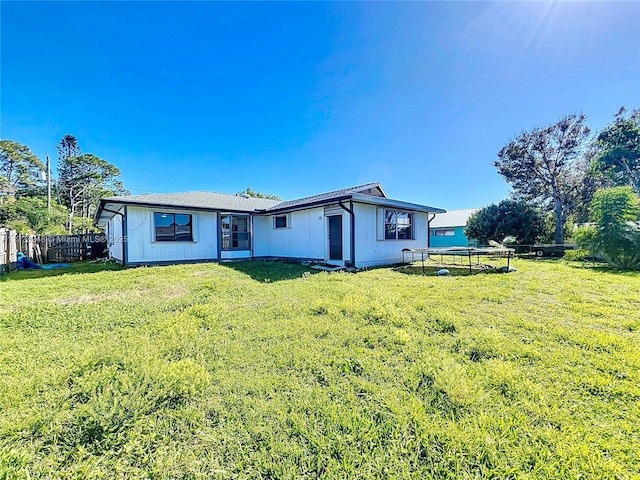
30, 215
250, 192
68, 147
84, 179
618, 160
548, 165
508, 218
19, 169
615, 230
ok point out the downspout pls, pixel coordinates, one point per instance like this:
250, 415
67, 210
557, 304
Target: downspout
251, 237
125, 238
112, 211
429, 229
353, 230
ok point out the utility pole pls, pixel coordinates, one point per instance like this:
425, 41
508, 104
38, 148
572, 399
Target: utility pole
48, 183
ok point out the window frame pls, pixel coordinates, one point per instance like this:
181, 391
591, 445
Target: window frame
410, 216
443, 232
231, 233
191, 224
287, 222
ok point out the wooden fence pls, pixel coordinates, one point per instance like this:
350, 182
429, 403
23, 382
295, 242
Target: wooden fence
49, 248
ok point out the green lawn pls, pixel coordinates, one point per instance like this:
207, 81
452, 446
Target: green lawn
267, 370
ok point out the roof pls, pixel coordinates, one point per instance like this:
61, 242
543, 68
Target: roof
200, 199
372, 189
453, 218
372, 193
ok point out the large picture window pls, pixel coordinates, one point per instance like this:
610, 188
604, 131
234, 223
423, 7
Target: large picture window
173, 227
236, 232
398, 225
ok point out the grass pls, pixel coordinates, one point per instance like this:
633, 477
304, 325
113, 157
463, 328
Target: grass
268, 370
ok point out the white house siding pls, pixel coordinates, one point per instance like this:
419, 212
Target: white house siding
234, 254
371, 248
305, 236
114, 237
142, 247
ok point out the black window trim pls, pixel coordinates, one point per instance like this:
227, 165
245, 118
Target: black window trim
385, 223
174, 213
287, 221
249, 232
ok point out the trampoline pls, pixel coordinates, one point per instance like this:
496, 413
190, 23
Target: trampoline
469, 252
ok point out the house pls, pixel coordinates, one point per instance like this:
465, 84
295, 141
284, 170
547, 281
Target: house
447, 229
359, 226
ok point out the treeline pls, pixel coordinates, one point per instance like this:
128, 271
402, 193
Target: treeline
555, 172
83, 178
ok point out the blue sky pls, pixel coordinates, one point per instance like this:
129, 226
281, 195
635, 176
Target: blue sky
299, 98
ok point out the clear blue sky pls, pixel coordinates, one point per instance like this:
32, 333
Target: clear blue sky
299, 98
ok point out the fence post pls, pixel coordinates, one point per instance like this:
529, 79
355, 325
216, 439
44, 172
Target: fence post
4, 233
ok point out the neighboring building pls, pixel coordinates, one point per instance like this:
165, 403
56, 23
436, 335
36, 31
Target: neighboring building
357, 226
447, 229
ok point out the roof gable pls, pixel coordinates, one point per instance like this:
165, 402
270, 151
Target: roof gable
373, 189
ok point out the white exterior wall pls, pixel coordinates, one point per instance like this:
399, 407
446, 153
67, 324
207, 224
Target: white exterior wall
114, 236
304, 237
371, 247
142, 247
234, 254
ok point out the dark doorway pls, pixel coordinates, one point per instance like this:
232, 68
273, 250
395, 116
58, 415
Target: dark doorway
335, 237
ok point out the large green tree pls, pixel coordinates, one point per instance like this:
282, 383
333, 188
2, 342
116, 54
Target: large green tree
513, 218
19, 169
618, 160
548, 165
614, 231
82, 180
30, 214
68, 147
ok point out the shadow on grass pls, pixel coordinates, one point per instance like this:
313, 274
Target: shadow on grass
74, 268
269, 271
431, 270
600, 267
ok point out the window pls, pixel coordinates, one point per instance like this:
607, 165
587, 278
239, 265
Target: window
236, 232
445, 232
398, 225
173, 227
281, 221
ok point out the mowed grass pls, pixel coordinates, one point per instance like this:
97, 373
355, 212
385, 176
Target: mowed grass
267, 370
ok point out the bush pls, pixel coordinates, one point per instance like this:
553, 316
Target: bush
578, 255
615, 230
508, 218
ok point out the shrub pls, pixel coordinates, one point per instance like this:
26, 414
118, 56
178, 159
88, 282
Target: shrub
615, 230
578, 255
508, 218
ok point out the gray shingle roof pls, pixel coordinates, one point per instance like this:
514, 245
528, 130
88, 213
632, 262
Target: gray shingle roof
201, 199
322, 197
368, 193
453, 218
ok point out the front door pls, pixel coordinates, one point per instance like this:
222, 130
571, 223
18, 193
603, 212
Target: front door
335, 237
